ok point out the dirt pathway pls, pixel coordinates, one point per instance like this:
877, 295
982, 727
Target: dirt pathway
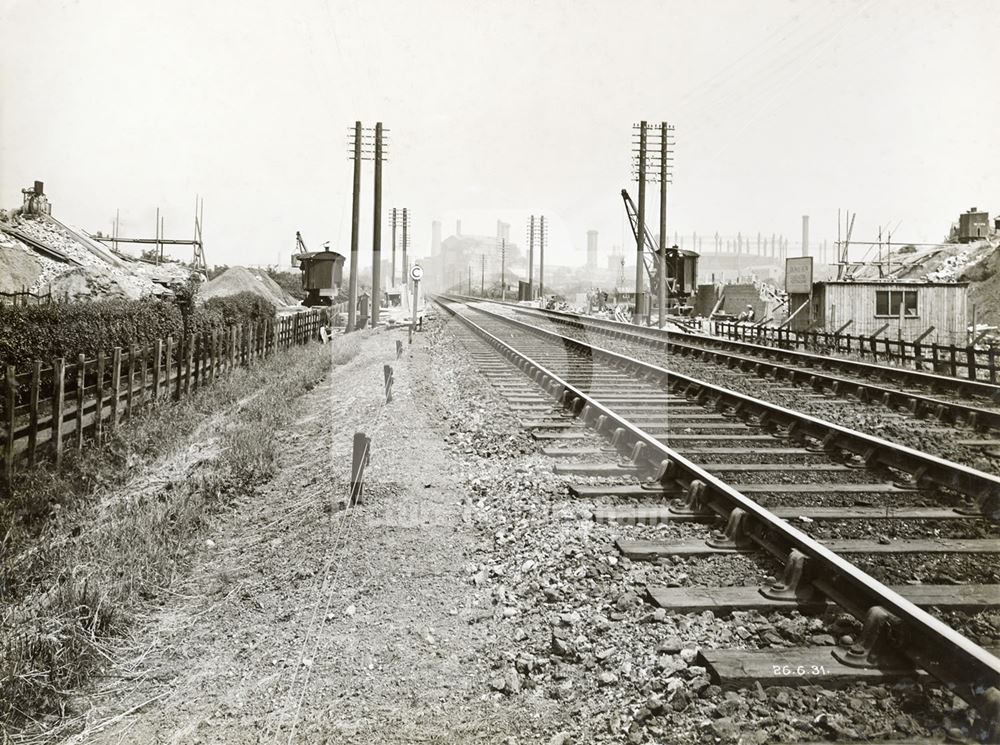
304, 622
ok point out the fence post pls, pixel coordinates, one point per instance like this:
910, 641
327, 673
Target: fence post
36, 379
99, 411
970, 359
10, 403
58, 391
952, 361
131, 380
399, 349
387, 371
993, 364
143, 377
116, 376
81, 386
188, 363
157, 369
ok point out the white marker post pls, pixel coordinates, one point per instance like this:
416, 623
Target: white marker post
416, 272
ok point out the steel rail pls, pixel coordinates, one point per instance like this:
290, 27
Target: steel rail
949, 412
972, 671
900, 375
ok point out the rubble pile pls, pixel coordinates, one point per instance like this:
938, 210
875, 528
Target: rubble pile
239, 279
91, 271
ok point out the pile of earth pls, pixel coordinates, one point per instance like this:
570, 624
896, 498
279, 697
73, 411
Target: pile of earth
239, 279
88, 269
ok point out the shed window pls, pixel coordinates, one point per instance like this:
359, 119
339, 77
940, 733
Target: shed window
888, 303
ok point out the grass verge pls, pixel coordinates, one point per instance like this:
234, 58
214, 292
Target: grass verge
81, 548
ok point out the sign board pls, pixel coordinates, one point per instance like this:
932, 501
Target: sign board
416, 272
799, 275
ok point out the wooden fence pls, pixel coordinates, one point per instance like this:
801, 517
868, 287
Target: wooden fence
972, 362
23, 297
46, 409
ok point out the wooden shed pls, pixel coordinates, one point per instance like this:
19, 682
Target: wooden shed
889, 308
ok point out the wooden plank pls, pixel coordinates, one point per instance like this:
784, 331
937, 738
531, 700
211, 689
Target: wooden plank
99, 418
722, 600
167, 363
795, 666
570, 452
36, 381
10, 403
81, 393
594, 469
211, 356
143, 378
554, 424
558, 435
780, 467
188, 364
116, 377
58, 391
130, 365
649, 550
655, 514
157, 369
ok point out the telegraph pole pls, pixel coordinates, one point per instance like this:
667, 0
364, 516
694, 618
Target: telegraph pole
640, 232
662, 320
406, 269
377, 229
392, 275
531, 259
352, 302
541, 258
503, 269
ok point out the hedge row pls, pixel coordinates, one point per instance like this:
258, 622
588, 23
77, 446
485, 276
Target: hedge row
42, 332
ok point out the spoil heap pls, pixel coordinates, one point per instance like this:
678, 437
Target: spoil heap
239, 279
41, 255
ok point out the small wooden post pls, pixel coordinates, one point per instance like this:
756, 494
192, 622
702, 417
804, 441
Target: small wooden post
81, 389
252, 338
116, 378
10, 403
399, 349
143, 378
970, 359
58, 391
211, 355
188, 363
157, 369
131, 380
168, 363
951, 361
99, 408
36, 379
232, 348
387, 372
359, 460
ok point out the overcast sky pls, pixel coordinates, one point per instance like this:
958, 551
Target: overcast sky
499, 110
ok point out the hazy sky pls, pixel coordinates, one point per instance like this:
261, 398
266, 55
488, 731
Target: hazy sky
497, 110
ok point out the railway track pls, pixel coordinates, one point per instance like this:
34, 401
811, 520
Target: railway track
694, 454
973, 406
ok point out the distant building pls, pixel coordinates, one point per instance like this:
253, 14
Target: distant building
435, 238
591, 249
973, 225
